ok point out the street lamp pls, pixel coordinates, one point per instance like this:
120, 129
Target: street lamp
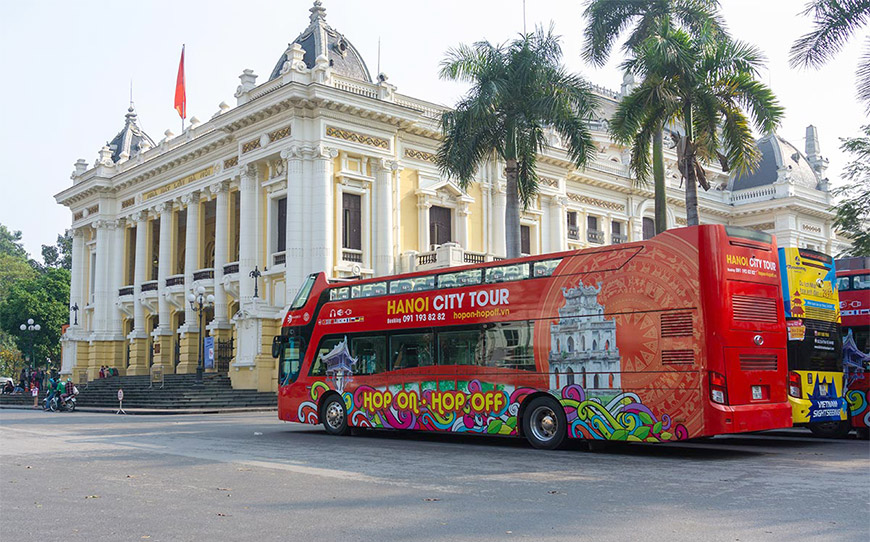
32, 328
199, 302
255, 274
75, 309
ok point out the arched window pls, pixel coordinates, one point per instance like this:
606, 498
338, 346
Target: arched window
556, 374
594, 345
649, 228
610, 380
558, 345
583, 376
607, 345
570, 344
570, 373
583, 342
595, 380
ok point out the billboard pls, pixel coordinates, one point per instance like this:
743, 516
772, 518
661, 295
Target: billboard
808, 279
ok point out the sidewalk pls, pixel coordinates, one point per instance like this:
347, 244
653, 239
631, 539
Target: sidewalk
152, 411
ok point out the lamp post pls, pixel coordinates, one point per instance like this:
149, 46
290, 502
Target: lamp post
75, 309
32, 328
255, 274
199, 302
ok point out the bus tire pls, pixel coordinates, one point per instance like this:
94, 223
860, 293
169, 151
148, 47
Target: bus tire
544, 423
334, 416
831, 429
863, 433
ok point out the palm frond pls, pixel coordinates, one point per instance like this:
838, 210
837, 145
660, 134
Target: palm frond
834, 22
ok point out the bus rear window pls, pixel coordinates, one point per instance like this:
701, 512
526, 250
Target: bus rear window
302, 296
744, 233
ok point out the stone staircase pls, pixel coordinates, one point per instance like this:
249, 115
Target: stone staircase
178, 392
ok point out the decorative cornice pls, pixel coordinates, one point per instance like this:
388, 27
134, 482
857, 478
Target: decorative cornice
231, 162
201, 174
811, 228
128, 203
548, 181
762, 227
356, 137
420, 155
597, 202
280, 133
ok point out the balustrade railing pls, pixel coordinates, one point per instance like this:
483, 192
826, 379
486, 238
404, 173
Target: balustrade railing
595, 236
203, 274
231, 268
352, 255
175, 280
574, 232
150, 286
126, 290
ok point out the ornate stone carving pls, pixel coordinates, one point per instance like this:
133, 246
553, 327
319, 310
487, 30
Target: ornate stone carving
291, 153
597, 202
763, 226
250, 145
128, 203
357, 137
420, 155
547, 181
201, 174
280, 133
231, 162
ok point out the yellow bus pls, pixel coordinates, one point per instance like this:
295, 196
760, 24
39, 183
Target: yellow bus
815, 361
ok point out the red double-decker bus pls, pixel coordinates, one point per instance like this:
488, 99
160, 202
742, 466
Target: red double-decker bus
676, 337
853, 286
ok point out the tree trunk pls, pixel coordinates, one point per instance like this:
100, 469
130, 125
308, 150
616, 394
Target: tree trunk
661, 200
689, 169
512, 211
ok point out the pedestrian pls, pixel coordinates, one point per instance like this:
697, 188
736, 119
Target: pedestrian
34, 392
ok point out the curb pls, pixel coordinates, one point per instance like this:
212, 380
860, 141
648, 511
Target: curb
152, 411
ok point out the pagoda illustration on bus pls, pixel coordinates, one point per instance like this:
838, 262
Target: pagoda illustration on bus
339, 366
583, 343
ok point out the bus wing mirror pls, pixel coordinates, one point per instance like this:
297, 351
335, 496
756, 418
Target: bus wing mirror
276, 346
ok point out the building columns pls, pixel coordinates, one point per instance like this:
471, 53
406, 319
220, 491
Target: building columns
384, 217
189, 342
323, 185
293, 227
498, 216
77, 280
221, 249
138, 337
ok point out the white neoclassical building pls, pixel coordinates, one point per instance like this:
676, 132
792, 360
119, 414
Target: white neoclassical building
322, 167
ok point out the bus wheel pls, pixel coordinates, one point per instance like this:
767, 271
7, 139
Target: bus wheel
334, 416
544, 423
863, 433
831, 429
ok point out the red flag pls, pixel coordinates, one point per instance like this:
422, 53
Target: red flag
180, 96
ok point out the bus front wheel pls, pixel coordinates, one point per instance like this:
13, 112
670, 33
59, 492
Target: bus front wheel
544, 423
334, 416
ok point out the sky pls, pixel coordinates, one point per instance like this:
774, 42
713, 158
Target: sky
69, 68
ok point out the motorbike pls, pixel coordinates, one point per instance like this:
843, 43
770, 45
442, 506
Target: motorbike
67, 405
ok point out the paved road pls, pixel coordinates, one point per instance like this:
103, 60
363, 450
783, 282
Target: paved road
90, 477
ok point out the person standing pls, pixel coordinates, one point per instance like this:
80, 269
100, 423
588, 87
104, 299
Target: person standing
34, 392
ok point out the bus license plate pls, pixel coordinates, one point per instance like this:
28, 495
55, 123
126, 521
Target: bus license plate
823, 389
756, 393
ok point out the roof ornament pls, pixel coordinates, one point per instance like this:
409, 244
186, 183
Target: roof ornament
317, 12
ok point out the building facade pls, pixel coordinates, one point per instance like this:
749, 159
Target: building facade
323, 167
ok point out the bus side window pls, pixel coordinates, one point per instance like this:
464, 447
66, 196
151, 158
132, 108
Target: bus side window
545, 268
370, 353
292, 353
509, 345
843, 284
460, 347
318, 368
861, 282
411, 350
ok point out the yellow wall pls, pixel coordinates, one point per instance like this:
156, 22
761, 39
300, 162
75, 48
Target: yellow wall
408, 181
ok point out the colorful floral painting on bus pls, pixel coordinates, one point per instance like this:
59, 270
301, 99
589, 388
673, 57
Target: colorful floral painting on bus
480, 407
858, 407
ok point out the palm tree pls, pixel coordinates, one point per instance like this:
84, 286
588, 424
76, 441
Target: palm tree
834, 23
517, 90
608, 19
703, 84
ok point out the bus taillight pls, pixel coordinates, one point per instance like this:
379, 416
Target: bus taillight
794, 384
718, 389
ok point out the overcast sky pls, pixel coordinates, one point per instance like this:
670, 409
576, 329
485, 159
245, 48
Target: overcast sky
68, 67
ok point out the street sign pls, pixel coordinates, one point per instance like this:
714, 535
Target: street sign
120, 395
156, 375
120, 402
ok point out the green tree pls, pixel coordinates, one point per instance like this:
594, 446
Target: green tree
10, 242
11, 358
59, 254
834, 23
703, 84
45, 298
517, 90
853, 211
606, 21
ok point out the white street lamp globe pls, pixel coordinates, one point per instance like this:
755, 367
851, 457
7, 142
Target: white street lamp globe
210, 299
22, 327
191, 297
37, 327
30, 321
200, 290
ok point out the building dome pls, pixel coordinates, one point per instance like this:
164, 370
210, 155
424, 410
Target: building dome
776, 154
321, 39
131, 140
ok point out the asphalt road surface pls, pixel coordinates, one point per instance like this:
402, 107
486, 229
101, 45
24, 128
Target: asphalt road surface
84, 477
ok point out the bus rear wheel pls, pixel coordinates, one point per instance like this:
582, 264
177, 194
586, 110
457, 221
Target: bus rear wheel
544, 423
831, 429
334, 416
